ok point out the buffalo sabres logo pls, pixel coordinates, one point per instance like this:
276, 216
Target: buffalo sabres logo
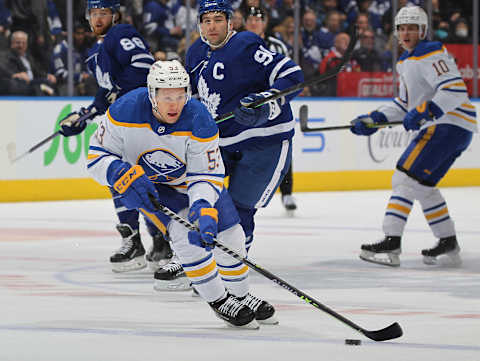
161, 166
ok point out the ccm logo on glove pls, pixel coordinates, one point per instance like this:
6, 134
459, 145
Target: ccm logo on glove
128, 178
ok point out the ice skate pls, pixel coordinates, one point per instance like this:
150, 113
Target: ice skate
234, 313
447, 246
289, 203
159, 253
385, 252
171, 277
264, 311
131, 255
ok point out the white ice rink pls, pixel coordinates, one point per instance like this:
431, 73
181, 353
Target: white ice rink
59, 299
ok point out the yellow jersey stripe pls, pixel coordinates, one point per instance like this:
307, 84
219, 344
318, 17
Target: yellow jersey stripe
423, 56
93, 156
474, 121
437, 214
418, 148
400, 208
155, 220
128, 125
461, 83
469, 106
189, 134
202, 271
239, 272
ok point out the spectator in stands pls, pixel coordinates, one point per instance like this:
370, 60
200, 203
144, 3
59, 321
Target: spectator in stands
366, 56
312, 47
60, 62
347, 8
238, 21
53, 19
332, 26
362, 25
159, 28
331, 60
286, 8
180, 16
272, 13
20, 72
286, 32
30, 16
460, 33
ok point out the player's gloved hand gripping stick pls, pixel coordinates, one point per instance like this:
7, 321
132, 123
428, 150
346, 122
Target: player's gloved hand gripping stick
387, 333
80, 120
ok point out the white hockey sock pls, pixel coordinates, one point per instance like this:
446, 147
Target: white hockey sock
436, 213
397, 212
233, 273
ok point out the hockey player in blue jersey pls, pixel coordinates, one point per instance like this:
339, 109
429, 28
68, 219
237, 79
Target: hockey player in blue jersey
158, 141
120, 61
229, 71
432, 99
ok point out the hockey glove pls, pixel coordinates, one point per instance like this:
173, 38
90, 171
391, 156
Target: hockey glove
254, 117
207, 217
132, 184
359, 124
426, 111
104, 98
76, 122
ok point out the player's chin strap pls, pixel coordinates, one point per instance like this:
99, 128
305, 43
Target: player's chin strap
387, 333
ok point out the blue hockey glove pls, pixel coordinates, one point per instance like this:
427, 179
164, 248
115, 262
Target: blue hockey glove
104, 98
426, 111
207, 217
359, 124
73, 125
254, 117
132, 184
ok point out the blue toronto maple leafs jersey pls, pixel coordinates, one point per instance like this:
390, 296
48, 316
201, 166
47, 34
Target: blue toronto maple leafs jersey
122, 61
242, 66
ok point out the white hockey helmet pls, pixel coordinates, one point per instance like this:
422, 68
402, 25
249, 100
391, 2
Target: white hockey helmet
412, 15
167, 74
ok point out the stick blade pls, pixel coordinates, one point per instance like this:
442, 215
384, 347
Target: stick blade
303, 115
387, 333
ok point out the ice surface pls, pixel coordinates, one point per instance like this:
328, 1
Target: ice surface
61, 301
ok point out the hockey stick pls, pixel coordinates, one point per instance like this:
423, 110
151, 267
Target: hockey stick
303, 115
387, 333
46, 140
317, 79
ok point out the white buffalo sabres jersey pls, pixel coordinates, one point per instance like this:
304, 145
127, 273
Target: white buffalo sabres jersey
430, 73
184, 155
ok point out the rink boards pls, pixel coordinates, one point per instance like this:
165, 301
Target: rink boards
333, 160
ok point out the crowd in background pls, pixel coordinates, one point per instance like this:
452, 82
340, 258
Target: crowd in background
33, 46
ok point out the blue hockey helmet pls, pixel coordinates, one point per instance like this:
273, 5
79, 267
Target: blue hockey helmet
206, 6
113, 5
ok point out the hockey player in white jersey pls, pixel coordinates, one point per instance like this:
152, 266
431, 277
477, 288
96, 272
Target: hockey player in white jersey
158, 141
433, 100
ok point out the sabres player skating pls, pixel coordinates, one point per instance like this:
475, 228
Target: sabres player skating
120, 61
230, 70
432, 99
159, 141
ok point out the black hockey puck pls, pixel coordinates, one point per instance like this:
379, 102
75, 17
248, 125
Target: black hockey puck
350, 341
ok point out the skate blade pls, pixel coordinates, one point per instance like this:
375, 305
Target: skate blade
154, 266
133, 265
179, 284
451, 259
391, 260
269, 321
252, 325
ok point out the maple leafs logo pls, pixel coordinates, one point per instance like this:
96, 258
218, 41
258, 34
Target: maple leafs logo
211, 101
